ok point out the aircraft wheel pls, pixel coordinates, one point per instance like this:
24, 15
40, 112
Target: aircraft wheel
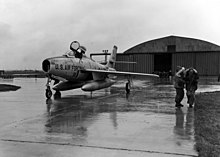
48, 93
57, 94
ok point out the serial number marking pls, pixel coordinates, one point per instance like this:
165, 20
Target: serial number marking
66, 67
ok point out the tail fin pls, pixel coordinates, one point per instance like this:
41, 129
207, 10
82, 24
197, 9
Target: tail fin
112, 59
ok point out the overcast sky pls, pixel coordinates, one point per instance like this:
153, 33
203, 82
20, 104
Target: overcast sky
32, 30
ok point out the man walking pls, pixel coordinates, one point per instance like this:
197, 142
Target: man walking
179, 83
191, 78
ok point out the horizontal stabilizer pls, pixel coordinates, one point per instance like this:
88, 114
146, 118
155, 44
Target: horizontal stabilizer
118, 62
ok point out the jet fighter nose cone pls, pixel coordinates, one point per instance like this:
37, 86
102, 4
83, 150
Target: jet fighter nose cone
46, 65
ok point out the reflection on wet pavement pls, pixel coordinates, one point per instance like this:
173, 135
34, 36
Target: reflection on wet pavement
184, 128
105, 119
144, 121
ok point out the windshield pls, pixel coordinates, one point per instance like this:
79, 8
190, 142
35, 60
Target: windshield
69, 54
76, 50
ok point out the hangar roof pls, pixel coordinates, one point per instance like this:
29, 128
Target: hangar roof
173, 44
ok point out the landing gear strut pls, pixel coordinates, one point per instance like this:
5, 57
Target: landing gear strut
48, 93
128, 87
57, 95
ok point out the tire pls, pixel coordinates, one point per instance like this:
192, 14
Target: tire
48, 93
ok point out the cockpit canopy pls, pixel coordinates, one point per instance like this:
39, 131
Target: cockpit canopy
76, 50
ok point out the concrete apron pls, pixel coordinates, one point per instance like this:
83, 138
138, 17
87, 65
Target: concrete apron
109, 124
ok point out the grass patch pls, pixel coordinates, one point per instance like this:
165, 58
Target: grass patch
207, 124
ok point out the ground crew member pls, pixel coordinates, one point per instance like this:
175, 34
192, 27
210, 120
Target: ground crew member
81, 52
191, 78
179, 83
83, 49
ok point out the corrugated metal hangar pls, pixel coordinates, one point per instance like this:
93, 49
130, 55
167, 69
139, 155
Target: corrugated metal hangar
165, 54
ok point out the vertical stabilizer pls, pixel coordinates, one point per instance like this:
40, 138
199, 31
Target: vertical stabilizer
112, 59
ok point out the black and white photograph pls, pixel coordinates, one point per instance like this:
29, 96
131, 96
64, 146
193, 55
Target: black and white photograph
109, 78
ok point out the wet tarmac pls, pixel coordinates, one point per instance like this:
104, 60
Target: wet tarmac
110, 123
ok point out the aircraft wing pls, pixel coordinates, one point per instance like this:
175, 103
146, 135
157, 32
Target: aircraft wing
119, 73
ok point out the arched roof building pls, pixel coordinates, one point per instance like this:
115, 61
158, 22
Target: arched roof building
164, 54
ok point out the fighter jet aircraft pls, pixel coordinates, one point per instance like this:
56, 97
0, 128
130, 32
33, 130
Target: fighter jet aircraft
75, 70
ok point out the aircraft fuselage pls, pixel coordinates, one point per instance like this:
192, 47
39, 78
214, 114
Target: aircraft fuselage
70, 68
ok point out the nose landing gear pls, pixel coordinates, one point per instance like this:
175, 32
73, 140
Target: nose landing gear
48, 93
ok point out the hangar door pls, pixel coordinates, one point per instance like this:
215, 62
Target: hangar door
163, 62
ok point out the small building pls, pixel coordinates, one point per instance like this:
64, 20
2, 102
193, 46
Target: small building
2, 72
165, 54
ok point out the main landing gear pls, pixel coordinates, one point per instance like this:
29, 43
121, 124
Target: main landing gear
57, 95
128, 86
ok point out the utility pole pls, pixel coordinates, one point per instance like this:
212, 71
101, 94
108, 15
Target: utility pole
105, 51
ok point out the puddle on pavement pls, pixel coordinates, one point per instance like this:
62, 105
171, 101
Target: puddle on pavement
144, 119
